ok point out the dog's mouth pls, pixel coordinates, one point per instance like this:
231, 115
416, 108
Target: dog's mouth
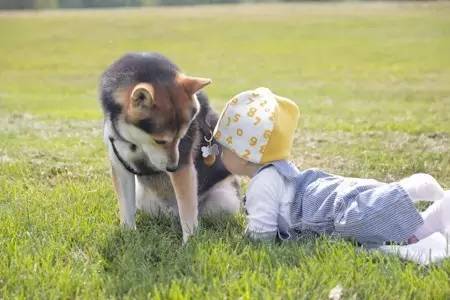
158, 159
171, 169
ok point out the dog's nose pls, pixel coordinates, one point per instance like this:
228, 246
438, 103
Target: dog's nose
171, 169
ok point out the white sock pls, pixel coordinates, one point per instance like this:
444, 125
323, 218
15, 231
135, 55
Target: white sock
436, 218
422, 187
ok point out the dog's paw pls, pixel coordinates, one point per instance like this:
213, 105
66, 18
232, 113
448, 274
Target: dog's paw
186, 237
130, 225
188, 232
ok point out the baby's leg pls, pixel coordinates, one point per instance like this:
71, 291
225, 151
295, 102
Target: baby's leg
422, 187
436, 218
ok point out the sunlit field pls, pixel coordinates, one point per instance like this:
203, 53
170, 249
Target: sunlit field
373, 84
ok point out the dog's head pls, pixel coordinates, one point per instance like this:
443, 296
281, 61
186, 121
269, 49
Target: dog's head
158, 115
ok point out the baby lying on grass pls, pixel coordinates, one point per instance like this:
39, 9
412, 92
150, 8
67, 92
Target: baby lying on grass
256, 130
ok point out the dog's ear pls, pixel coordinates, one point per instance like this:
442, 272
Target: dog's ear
193, 84
142, 95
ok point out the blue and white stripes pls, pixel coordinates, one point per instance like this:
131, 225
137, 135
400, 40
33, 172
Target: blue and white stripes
366, 210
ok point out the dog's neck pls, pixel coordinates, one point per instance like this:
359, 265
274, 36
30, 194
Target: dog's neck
115, 135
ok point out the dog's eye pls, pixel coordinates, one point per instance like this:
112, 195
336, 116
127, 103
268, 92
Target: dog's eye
160, 142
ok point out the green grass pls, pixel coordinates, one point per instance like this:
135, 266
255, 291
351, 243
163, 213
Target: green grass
372, 81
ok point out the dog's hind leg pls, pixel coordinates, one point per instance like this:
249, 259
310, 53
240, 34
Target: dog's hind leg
222, 198
184, 182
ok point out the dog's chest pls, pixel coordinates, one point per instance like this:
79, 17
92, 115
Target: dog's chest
155, 194
159, 185
158, 182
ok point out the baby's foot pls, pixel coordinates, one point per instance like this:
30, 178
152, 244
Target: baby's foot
439, 213
446, 217
422, 187
436, 218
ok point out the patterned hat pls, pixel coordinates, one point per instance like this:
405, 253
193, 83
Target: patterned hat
258, 126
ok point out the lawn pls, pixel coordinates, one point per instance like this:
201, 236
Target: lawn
373, 84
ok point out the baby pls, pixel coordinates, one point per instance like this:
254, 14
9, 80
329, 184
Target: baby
256, 131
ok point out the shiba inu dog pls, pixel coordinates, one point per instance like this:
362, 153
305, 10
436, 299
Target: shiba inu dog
155, 121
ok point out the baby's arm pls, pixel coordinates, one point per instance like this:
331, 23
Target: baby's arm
263, 204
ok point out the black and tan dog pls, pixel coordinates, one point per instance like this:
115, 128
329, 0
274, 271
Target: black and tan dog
155, 123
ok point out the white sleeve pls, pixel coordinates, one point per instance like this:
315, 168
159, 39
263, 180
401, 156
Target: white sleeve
263, 204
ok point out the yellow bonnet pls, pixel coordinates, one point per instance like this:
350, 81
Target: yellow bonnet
258, 126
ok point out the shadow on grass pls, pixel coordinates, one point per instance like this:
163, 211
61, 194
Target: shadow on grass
153, 255
135, 260
152, 261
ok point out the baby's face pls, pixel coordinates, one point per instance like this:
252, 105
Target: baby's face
232, 162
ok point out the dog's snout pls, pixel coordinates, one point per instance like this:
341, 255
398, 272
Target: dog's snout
171, 168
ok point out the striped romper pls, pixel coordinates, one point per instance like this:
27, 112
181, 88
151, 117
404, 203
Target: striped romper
366, 210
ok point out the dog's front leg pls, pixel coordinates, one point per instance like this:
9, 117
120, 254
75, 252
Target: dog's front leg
124, 184
184, 182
